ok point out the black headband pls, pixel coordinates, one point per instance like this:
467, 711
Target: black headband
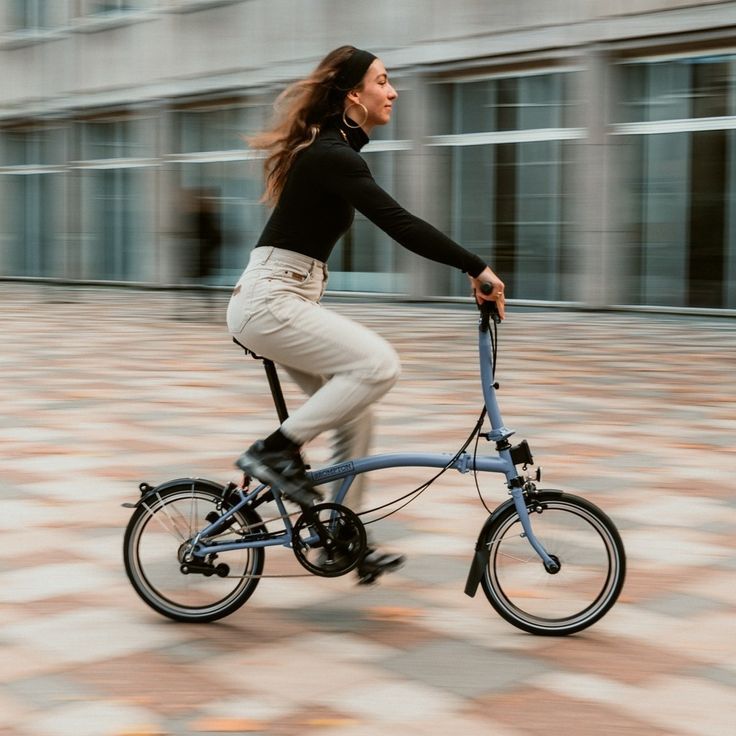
353, 70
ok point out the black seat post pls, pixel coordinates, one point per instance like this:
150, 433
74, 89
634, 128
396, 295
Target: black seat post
273, 382
275, 385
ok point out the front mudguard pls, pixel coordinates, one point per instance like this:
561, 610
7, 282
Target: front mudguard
483, 551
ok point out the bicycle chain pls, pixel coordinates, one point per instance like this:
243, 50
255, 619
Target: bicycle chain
259, 577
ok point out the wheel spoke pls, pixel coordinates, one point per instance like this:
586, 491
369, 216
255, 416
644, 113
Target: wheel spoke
170, 527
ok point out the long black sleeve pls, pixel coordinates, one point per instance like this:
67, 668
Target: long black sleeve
350, 176
328, 181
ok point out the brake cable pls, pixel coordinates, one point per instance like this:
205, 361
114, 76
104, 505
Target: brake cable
416, 492
493, 334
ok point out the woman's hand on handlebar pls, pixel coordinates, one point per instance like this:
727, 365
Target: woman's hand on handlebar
496, 294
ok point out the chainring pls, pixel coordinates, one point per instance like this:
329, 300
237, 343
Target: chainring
329, 539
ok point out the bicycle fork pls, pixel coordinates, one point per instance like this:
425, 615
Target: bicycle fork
551, 564
482, 549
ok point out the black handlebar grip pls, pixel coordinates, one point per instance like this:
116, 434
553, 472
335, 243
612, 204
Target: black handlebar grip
489, 309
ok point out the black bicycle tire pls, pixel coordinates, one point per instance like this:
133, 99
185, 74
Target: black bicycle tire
250, 516
507, 610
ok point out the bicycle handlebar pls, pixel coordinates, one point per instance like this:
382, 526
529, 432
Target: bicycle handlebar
488, 309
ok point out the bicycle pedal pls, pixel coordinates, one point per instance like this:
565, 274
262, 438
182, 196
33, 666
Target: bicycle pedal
369, 578
370, 570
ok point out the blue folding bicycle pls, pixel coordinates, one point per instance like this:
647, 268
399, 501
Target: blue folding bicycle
549, 562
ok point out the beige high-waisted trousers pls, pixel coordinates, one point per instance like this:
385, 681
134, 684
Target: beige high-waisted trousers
341, 365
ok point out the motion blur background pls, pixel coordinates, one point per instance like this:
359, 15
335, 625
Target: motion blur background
585, 148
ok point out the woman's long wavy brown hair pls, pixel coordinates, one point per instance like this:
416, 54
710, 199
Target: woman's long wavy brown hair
299, 112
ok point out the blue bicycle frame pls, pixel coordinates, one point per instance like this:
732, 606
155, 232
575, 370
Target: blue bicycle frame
346, 471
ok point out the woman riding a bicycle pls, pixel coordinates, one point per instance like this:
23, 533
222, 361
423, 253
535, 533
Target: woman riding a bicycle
316, 178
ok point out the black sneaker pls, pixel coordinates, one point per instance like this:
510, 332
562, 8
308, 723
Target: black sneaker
285, 470
375, 563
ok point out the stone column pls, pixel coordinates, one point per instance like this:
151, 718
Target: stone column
601, 274
167, 225
418, 188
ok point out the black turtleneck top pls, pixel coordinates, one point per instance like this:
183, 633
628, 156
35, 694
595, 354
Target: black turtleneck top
327, 182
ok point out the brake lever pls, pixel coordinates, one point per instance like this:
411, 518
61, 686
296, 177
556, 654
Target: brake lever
488, 309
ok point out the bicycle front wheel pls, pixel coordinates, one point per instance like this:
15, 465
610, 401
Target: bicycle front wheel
161, 527
592, 565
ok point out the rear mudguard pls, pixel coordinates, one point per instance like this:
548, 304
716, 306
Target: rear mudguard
483, 552
148, 492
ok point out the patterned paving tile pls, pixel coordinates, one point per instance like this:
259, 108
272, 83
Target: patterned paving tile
89, 635
537, 712
103, 388
92, 718
464, 669
625, 660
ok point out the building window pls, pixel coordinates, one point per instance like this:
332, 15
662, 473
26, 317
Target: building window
29, 15
117, 183
31, 206
678, 116
510, 150
112, 7
225, 128
115, 139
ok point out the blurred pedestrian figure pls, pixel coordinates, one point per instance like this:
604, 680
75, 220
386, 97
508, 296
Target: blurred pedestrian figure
200, 246
209, 234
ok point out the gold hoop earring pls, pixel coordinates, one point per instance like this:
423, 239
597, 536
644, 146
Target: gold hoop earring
345, 111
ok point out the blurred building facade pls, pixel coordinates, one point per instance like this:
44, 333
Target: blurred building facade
586, 148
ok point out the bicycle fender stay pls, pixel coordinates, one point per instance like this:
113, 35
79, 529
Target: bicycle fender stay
482, 552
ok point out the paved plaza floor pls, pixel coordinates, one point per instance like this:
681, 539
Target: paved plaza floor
104, 388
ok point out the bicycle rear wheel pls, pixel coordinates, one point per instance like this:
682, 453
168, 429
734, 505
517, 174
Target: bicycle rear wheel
592, 565
159, 530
